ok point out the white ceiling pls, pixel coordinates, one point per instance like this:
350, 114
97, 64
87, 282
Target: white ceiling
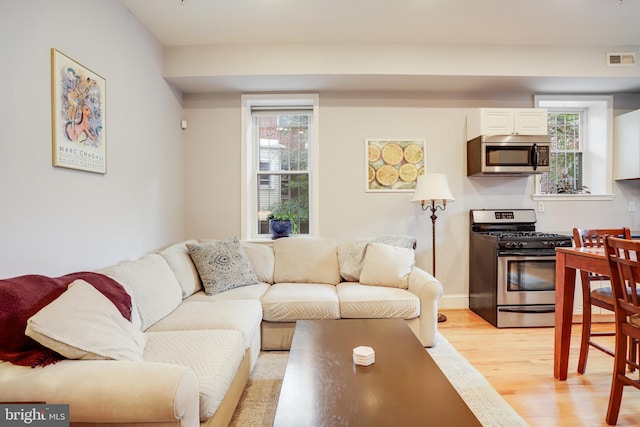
605, 23
575, 22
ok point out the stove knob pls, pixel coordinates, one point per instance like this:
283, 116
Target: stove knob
521, 244
508, 244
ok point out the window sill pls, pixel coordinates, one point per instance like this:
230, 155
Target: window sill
573, 197
260, 240
267, 240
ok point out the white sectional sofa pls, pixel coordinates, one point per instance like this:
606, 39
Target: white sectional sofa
317, 279
196, 347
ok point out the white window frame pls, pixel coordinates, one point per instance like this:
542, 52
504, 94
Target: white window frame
598, 160
248, 198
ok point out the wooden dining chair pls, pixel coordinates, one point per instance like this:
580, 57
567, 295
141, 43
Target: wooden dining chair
600, 297
624, 262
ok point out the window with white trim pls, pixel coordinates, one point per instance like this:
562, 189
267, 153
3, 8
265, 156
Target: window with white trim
581, 131
565, 130
279, 146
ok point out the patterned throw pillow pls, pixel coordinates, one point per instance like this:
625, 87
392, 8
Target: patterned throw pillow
222, 265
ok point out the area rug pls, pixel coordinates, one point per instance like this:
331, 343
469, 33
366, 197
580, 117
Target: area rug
257, 406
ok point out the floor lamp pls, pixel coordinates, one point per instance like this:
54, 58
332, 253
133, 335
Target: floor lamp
431, 189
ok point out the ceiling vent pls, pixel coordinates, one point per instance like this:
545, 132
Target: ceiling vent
617, 59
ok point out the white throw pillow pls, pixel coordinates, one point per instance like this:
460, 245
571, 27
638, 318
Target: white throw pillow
386, 265
177, 256
262, 260
84, 324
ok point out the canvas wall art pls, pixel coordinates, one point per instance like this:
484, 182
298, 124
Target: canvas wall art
393, 165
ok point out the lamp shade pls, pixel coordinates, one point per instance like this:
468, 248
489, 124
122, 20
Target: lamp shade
432, 186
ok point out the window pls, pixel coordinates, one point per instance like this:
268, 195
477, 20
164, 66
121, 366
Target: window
565, 177
279, 146
282, 139
581, 129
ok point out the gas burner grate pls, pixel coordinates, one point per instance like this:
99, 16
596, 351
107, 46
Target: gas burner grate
520, 234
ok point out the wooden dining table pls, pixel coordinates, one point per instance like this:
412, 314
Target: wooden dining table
568, 260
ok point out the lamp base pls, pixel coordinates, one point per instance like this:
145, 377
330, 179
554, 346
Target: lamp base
441, 318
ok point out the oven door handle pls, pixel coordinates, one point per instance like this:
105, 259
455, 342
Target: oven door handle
536, 310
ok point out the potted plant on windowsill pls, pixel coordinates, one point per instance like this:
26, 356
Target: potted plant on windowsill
281, 224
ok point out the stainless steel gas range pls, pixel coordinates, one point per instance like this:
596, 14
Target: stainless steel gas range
512, 268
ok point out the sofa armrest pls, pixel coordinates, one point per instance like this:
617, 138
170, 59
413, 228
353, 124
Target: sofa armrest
107, 391
429, 290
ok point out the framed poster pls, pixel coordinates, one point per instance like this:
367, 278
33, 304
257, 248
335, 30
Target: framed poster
78, 108
393, 165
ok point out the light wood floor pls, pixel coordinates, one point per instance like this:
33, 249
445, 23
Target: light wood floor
518, 362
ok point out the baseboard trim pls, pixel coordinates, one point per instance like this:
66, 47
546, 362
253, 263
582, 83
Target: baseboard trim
454, 301
461, 301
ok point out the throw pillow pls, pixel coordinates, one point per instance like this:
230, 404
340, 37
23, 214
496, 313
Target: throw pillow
83, 324
262, 260
386, 265
222, 265
351, 254
177, 256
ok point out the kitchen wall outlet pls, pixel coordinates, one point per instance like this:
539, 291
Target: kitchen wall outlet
540, 207
632, 206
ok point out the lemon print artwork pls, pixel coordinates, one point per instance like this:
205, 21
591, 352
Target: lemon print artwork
394, 165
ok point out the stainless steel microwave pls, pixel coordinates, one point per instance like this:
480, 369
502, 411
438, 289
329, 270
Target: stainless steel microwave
510, 155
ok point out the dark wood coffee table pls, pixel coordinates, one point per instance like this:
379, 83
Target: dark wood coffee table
322, 387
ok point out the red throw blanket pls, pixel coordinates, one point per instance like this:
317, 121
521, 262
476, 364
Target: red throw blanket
22, 297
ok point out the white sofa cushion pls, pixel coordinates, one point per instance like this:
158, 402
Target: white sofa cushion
222, 265
152, 285
177, 256
262, 259
244, 292
214, 355
386, 265
306, 260
359, 301
240, 315
288, 302
83, 324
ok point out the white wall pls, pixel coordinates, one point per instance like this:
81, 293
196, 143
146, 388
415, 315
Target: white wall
347, 212
53, 220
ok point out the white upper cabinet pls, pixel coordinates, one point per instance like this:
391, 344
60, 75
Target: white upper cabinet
506, 121
627, 146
